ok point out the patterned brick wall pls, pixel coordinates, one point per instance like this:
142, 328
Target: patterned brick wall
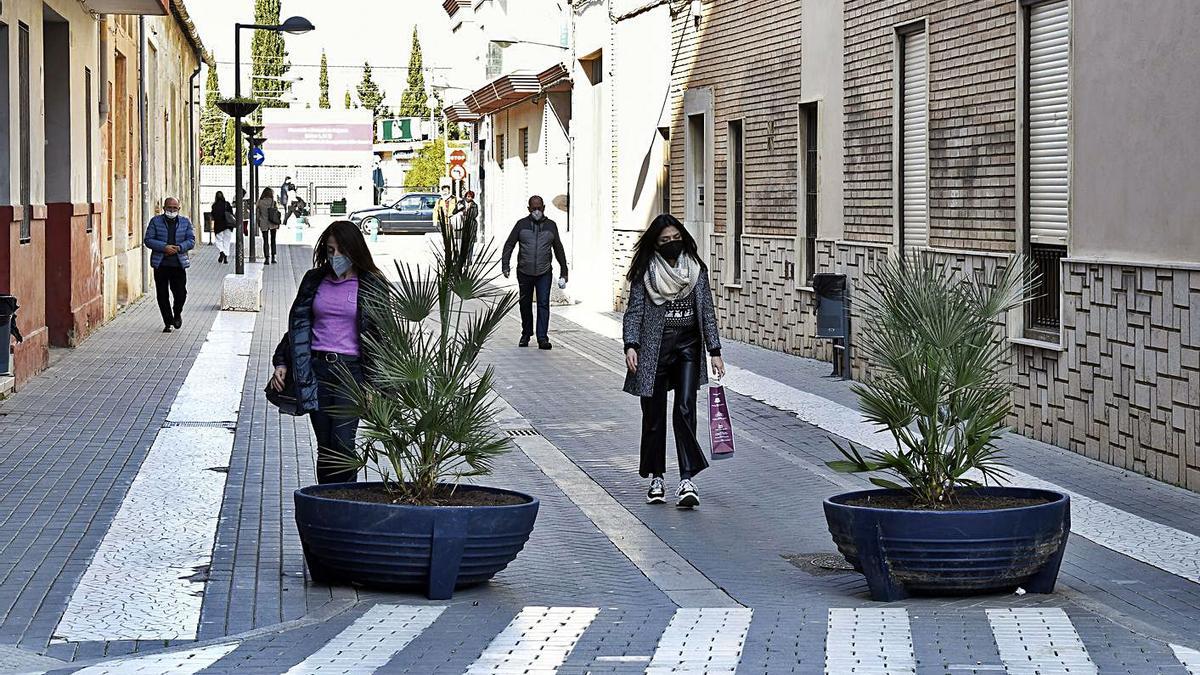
1126, 390
972, 124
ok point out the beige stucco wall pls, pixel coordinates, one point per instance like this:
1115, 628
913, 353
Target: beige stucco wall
1136, 151
821, 81
83, 54
167, 116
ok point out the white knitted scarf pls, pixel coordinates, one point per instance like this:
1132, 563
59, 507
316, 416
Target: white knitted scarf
665, 283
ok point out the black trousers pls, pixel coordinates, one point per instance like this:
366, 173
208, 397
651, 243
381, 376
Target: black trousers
269, 242
168, 282
527, 284
335, 434
678, 369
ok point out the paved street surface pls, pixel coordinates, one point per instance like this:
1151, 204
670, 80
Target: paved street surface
147, 528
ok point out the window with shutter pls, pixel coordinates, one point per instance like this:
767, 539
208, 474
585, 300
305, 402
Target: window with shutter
914, 141
1047, 123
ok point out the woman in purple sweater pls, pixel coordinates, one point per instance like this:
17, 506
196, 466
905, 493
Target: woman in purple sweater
325, 330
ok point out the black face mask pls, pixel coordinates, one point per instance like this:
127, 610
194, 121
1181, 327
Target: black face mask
671, 250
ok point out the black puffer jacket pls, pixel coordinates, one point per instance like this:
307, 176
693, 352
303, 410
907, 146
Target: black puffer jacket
295, 349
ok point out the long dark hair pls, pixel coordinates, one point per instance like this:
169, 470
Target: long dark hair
219, 200
352, 245
647, 245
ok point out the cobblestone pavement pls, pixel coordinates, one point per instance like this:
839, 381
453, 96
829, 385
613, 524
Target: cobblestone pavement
579, 599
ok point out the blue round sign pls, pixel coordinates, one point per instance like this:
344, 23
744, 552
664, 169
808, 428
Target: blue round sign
257, 156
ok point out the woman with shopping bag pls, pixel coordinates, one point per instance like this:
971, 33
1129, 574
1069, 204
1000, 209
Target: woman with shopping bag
670, 330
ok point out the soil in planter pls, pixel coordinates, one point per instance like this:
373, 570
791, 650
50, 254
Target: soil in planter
444, 497
963, 502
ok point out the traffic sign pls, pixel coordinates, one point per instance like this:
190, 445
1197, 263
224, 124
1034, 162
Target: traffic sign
257, 156
458, 157
458, 172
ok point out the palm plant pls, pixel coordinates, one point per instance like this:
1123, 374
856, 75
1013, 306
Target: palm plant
426, 416
937, 382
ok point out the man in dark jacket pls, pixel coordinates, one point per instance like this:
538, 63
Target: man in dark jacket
540, 245
170, 236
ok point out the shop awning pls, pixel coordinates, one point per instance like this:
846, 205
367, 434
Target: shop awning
158, 7
452, 6
460, 112
511, 89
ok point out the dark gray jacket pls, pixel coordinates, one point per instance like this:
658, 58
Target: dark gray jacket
644, 326
540, 244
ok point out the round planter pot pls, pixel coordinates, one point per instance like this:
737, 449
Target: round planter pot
431, 548
903, 552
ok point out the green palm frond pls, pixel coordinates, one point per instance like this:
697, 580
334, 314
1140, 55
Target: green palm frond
426, 415
933, 336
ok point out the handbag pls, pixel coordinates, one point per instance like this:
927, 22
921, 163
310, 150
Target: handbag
230, 220
273, 216
284, 400
720, 427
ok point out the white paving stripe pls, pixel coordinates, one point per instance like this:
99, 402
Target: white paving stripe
701, 641
371, 641
869, 642
1167, 548
1190, 658
538, 640
142, 582
1039, 642
173, 663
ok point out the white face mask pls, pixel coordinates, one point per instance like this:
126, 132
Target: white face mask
171, 213
340, 264
537, 214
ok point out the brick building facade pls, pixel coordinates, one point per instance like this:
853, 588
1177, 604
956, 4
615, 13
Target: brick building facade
978, 130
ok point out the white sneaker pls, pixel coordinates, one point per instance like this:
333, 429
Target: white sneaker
657, 494
686, 495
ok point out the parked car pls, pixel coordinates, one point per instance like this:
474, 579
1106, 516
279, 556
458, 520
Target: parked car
411, 214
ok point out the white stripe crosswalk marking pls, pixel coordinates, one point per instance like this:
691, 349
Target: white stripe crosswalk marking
702, 640
1036, 641
869, 641
371, 641
538, 640
171, 663
1190, 658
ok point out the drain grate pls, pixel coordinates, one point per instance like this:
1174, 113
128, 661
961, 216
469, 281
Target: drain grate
524, 431
217, 425
833, 561
820, 563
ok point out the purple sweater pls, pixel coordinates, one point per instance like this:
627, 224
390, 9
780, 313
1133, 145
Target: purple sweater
335, 317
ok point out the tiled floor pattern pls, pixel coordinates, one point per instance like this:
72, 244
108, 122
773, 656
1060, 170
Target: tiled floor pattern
146, 581
708, 641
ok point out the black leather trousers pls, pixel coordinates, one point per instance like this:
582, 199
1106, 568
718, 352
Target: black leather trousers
678, 369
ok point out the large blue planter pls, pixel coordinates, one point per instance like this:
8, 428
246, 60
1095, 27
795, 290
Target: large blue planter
432, 548
902, 552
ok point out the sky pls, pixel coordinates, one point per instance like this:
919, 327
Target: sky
350, 31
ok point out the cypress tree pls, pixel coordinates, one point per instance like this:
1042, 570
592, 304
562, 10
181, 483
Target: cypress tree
324, 82
370, 96
415, 101
349, 103
268, 55
213, 125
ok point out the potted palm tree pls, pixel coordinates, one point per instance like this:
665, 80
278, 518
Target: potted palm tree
426, 423
939, 385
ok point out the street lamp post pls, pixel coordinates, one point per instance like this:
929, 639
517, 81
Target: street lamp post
295, 25
252, 131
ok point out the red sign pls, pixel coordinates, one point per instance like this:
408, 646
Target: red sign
458, 172
458, 157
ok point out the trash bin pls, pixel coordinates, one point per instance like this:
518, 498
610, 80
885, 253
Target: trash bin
833, 318
8, 313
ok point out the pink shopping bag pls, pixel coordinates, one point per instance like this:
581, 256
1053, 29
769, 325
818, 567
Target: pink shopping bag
720, 427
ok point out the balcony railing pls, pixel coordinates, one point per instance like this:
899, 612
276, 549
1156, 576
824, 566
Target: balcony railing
1042, 314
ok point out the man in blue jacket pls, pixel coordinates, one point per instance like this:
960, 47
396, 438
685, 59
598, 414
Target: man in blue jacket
170, 236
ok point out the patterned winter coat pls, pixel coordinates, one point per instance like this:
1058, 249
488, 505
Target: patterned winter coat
644, 326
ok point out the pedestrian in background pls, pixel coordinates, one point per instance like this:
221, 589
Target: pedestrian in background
170, 236
268, 219
469, 212
325, 329
444, 212
223, 222
669, 326
539, 246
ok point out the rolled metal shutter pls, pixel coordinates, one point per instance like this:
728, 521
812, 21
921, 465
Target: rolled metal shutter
915, 139
1049, 123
